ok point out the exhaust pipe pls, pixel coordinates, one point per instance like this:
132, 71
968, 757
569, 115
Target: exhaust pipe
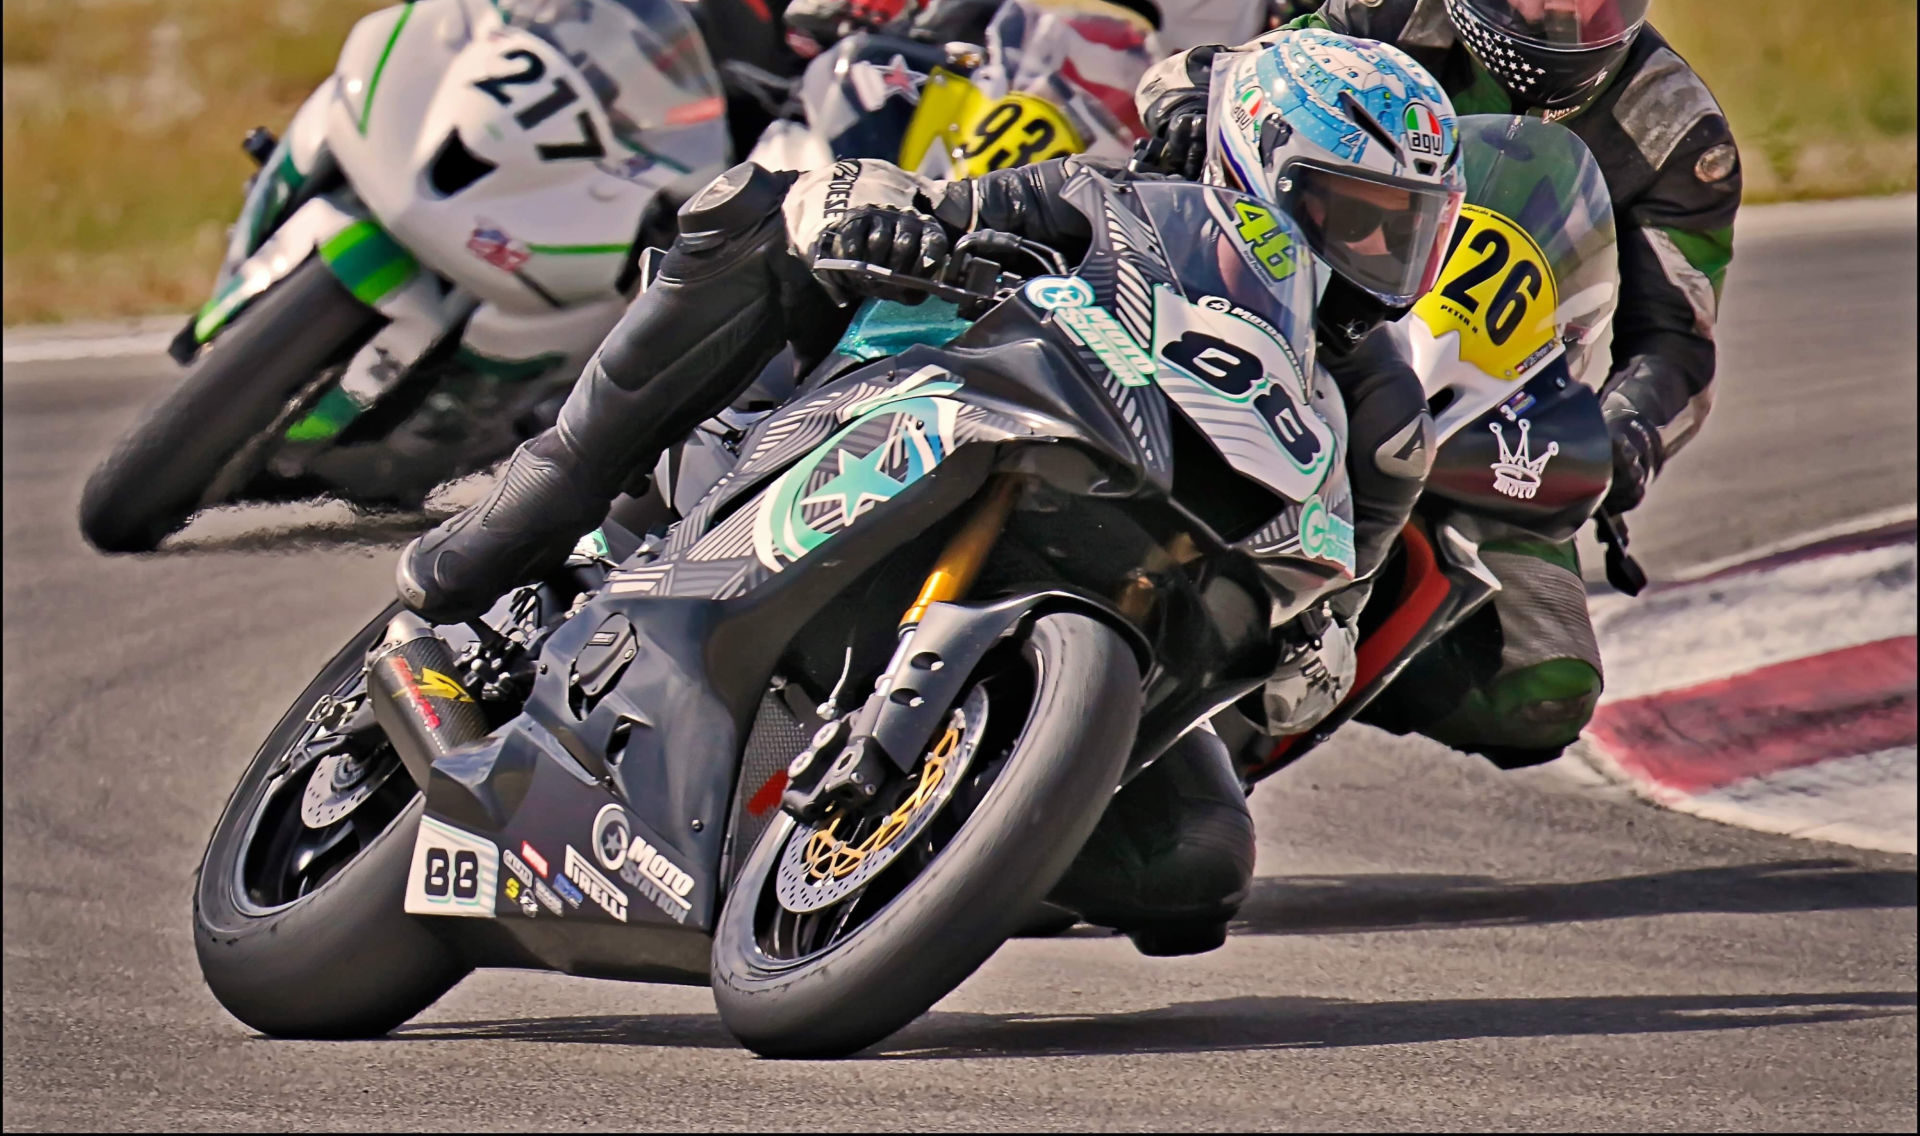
417, 698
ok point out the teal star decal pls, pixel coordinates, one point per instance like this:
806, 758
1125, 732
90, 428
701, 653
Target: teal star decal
858, 484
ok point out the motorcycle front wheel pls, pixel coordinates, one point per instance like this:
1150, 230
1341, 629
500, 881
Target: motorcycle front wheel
160, 473
1016, 782
298, 907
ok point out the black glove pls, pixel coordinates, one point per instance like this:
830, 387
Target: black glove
1637, 454
1182, 145
910, 243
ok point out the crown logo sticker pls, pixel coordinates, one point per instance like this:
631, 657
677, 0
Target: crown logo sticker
1517, 474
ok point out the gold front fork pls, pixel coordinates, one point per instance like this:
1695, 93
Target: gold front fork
959, 563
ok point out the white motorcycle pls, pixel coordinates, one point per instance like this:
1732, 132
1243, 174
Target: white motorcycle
452, 222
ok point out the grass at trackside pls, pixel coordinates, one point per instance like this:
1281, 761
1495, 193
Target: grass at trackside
123, 119
1820, 93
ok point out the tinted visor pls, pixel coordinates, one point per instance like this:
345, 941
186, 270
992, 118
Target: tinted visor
1563, 25
1384, 235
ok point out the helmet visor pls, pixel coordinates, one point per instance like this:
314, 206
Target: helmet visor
1563, 25
1385, 235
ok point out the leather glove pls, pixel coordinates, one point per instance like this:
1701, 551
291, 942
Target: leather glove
901, 240
1183, 144
1637, 454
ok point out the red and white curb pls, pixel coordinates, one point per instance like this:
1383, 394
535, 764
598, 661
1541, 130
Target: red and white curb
1777, 693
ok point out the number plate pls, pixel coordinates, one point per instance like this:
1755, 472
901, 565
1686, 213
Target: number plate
1497, 292
454, 872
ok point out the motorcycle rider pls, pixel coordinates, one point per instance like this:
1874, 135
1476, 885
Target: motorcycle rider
1174, 857
1519, 679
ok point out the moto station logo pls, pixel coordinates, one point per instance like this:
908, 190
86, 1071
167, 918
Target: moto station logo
640, 865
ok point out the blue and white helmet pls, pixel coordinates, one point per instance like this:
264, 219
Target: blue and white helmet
1355, 141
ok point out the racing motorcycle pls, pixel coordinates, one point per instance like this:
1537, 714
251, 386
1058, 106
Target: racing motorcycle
827, 741
1054, 78
421, 265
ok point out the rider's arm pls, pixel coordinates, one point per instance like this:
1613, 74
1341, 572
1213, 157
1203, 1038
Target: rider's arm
1676, 240
1024, 201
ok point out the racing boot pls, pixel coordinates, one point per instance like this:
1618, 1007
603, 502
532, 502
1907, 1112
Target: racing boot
727, 297
1172, 858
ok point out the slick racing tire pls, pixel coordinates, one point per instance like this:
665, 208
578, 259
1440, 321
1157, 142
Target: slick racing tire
158, 475
301, 930
1061, 709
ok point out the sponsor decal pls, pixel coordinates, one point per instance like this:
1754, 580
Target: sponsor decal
454, 872
1424, 133
573, 895
527, 906
547, 898
840, 188
633, 167
438, 685
1268, 240
595, 886
511, 889
1070, 300
491, 244
532, 856
517, 866
1252, 101
1222, 304
1325, 535
644, 867
408, 683
1518, 474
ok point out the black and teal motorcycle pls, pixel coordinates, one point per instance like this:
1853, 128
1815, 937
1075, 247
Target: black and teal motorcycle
825, 742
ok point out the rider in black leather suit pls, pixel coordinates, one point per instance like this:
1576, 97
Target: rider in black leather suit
1174, 857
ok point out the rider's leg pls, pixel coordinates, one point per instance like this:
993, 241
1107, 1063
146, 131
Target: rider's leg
1389, 450
727, 298
1517, 680
1172, 858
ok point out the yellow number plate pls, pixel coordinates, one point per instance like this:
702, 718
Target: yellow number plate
1498, 292
982, 134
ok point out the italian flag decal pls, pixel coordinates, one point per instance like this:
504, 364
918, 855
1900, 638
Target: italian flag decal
1423, 130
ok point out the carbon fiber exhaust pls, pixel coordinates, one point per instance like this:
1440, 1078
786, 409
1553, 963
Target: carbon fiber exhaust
417, 699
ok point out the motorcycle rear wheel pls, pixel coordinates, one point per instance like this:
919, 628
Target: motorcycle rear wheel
158, 475
301, 930
831, 983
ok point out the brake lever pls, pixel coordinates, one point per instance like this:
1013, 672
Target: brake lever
1623, 571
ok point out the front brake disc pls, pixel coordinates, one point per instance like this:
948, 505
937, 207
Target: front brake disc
803, 885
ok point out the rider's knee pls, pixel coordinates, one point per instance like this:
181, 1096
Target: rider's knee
1524, 717
1176, 843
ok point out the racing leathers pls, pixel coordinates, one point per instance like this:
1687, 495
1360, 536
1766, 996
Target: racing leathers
735, 288
1520, 679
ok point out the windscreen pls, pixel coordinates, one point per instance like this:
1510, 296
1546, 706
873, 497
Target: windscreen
644, 59
1532, 262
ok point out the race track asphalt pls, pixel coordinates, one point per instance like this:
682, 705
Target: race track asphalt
1432, 944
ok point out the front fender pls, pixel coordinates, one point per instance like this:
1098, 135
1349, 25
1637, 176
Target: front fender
935, 660
318, 222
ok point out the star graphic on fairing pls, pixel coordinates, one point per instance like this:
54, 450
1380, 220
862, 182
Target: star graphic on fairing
897, 78
858, 484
